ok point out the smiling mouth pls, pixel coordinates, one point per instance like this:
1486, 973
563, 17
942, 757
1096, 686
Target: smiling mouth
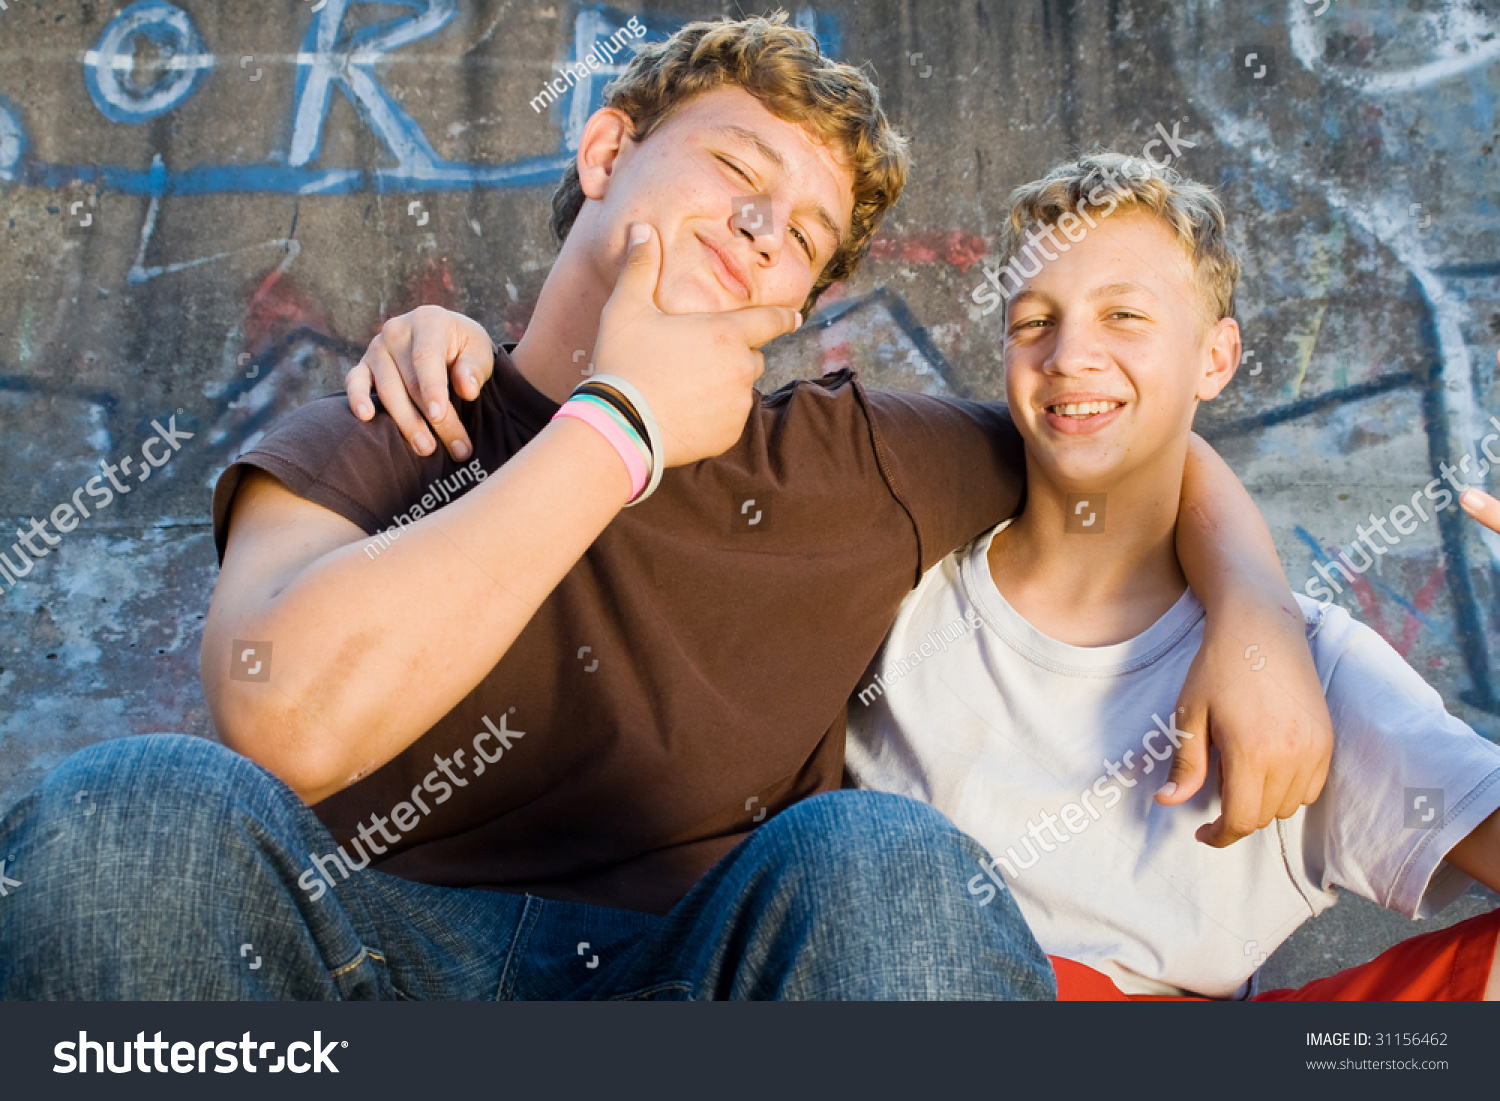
1082, 409
726, 273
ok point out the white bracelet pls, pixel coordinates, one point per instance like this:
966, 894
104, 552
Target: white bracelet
653, 430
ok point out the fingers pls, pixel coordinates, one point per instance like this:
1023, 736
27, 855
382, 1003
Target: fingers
1244, 794
392, 388
763, 324
357, 387
1482, 507
473, 367
1189, 763
432, 335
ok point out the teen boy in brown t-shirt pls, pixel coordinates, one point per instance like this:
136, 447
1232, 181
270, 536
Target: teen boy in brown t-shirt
625, 725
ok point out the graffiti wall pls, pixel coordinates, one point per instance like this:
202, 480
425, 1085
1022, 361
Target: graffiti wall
208, 209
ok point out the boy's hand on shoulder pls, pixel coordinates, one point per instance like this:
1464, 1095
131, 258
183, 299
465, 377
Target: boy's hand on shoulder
410, 362
1253, 693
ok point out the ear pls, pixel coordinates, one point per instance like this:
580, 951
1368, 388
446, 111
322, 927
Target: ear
1223, 358
605, 137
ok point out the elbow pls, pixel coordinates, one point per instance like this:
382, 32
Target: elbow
280, 739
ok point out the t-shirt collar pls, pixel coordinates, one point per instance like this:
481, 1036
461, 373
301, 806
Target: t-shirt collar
1085, 661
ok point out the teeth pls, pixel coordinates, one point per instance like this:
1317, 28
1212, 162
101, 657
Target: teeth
1084, 408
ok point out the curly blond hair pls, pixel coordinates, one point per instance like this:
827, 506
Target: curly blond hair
784, 69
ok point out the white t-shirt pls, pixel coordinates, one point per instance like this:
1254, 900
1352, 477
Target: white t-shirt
1049, 755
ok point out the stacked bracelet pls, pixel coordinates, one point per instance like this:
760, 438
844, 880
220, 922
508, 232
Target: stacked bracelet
617, 411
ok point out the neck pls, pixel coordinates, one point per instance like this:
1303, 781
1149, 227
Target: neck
1094, 589
558, 345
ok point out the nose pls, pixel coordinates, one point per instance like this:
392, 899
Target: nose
762, 221
1074, 349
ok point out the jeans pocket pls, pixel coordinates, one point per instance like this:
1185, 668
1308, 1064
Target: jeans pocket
366, 978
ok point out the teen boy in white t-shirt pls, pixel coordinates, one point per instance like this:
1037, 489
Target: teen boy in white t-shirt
1028, 686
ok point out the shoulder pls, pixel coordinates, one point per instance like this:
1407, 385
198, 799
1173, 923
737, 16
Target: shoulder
322, 452
1361, 672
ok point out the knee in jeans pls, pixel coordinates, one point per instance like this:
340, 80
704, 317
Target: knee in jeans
867, 834
176, 777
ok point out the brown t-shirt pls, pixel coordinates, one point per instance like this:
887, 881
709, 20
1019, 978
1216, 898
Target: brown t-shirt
688, 678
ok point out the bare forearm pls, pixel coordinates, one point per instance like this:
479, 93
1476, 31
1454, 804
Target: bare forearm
358, 674
1478, 855
1225, 548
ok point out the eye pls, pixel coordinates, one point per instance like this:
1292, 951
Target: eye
1127, 314
802, 240
736, 169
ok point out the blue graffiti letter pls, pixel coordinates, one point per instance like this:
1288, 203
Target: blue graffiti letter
332, 57
183, 57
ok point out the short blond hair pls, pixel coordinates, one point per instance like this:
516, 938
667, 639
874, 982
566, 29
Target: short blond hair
782, 67
1096, 185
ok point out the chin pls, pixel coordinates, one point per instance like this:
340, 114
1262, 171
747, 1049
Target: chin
688, 297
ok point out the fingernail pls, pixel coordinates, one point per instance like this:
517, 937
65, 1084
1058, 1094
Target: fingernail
1168, 789
434, 411
424, 443
639, 233
1471, 500
799, 319
365, 412
460, 450
472, 381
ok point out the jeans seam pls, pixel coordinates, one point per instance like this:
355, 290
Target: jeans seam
356, 961
505, 988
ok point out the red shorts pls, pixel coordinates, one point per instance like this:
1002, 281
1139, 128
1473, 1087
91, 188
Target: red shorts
1450, 965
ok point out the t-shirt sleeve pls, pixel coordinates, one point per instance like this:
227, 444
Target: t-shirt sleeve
957, 466
1408, 780
322, 452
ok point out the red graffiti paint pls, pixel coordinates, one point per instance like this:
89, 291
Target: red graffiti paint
962, 250
276, 307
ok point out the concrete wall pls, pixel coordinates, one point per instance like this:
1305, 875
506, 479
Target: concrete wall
209, 208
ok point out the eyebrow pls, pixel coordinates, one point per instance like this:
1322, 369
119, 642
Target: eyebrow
1112, 290
749, 137
1109, 290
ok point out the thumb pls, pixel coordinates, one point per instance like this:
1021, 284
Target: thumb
638, 278
1190, 761
762, 324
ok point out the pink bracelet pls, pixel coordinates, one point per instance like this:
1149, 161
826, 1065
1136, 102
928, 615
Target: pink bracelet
597, 419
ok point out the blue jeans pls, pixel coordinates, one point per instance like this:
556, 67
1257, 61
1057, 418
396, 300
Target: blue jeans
165, 866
